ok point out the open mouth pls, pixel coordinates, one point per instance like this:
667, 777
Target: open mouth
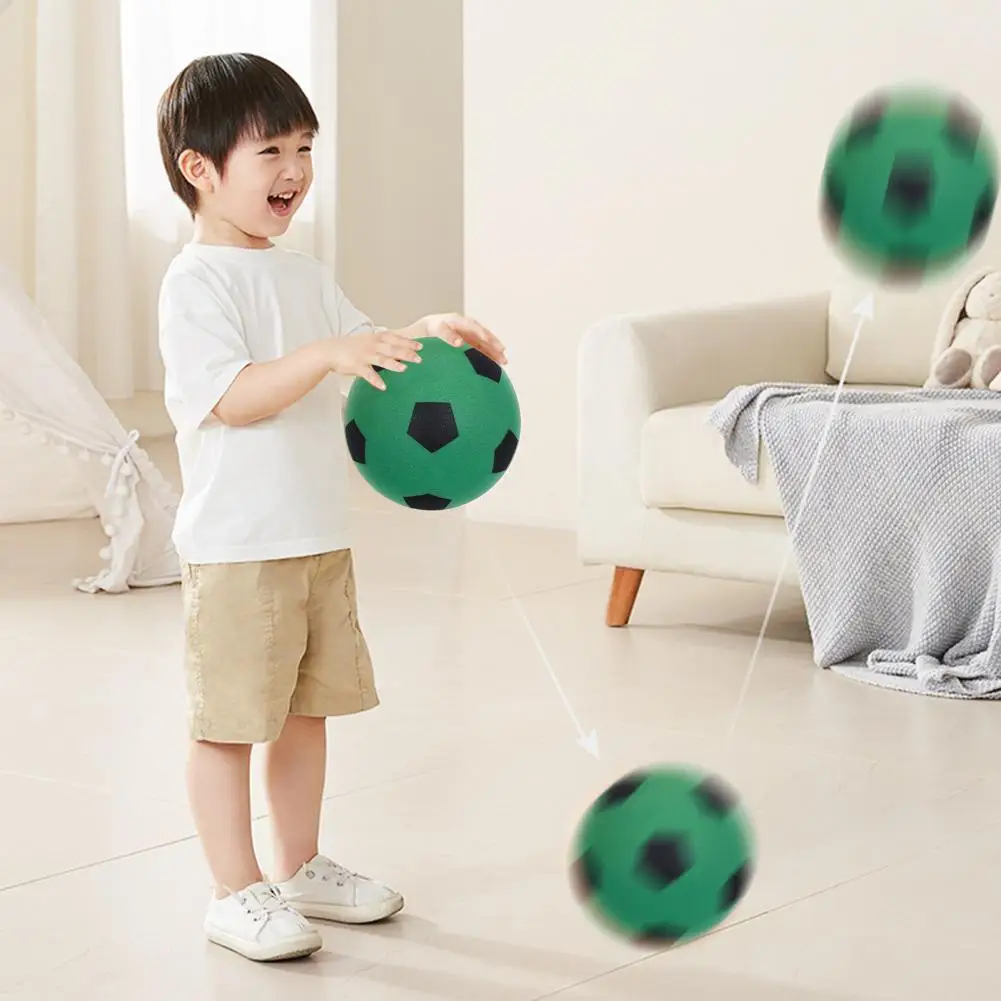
281, 204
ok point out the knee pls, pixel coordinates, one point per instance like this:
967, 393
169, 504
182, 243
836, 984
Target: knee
218, 748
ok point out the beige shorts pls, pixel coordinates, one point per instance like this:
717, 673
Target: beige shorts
268, 640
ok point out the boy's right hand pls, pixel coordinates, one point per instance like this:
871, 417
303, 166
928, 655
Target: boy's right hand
358, 354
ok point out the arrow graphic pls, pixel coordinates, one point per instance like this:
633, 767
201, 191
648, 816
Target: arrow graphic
586, 739
589, 741
865, 310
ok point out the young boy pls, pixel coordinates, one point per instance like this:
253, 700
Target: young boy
248, 334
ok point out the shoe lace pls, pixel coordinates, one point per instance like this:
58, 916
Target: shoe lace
261, 907
332, 870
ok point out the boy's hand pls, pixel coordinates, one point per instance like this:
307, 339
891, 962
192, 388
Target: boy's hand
360, 353
458, 330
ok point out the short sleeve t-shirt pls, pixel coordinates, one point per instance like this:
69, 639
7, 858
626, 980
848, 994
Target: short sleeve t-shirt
276, 488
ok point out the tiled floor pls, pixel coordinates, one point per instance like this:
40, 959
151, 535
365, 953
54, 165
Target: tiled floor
878, 814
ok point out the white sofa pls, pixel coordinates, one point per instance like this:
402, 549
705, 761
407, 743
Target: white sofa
655, 489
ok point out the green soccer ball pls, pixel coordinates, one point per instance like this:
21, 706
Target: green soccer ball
440, 434
663, 855
910, 183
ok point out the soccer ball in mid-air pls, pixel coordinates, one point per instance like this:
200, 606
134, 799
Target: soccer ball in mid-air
441, 433
663, 855
910, 183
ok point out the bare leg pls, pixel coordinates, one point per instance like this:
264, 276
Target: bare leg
295, 773
219, 791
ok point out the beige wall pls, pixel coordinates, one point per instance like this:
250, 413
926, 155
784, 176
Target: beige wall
399, 231
654, 154
400, 152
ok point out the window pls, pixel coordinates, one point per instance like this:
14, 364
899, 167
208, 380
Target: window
158, 39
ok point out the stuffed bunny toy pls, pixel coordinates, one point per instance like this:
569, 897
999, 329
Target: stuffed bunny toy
967, 349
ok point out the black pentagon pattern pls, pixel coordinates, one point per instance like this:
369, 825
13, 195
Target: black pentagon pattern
504, 452
619, 792
715, 797
427, 502
356, 442
834, 202
866, 121
659, 936
904, 263
735, 887
664, 860
482, 365
983, 214
432, 425
586, 875
962, 129
909, 187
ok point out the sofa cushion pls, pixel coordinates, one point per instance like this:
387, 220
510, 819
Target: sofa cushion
683, 465
895, 346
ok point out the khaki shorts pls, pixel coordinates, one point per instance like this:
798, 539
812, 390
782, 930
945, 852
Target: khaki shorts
268, 640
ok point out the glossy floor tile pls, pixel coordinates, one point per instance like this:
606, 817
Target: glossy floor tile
920, 929
877, 815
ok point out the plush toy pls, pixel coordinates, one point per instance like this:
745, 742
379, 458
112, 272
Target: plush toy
967, 349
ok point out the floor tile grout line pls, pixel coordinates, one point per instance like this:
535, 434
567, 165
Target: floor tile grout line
508, 596
550, 588
778, 908
257, 818
95, 790
96, 863
134, 800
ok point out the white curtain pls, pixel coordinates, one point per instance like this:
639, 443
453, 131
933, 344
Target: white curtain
80, 234
158, 39
102, 221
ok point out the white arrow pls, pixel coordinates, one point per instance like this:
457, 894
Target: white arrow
589, 741
865, 310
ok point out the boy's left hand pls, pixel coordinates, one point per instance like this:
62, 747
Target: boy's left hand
458, 330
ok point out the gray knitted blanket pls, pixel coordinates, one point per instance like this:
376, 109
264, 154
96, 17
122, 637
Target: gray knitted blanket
899, 545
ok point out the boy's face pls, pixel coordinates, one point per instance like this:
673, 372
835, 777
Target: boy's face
254, 198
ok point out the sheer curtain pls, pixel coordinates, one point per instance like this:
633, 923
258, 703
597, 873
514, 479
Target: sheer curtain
157, 40
75, 239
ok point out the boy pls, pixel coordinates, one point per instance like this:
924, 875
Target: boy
248, 334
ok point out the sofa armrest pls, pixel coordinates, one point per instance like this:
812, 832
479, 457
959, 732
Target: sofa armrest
631, 367
698, 356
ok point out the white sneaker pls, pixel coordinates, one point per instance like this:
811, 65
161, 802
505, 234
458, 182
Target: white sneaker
258, 924
323, 889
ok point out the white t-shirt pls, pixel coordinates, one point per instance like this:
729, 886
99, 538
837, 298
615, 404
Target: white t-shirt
276, 488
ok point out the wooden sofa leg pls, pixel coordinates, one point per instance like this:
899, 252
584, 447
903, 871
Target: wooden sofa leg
625, 586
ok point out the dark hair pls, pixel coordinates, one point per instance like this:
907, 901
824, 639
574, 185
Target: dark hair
217, 101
